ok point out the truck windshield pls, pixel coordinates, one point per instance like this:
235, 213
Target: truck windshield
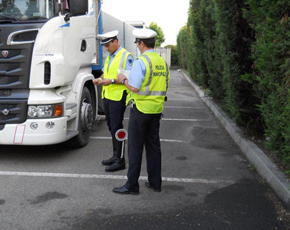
21, 10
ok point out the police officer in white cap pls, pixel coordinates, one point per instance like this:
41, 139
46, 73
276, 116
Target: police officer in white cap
114, 94
148, 82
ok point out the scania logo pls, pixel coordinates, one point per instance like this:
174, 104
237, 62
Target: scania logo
5, 112
5, 53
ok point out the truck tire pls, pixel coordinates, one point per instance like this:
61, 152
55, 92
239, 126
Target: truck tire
86, 118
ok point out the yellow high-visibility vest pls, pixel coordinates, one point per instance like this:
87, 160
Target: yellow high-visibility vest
151, 96
115, 91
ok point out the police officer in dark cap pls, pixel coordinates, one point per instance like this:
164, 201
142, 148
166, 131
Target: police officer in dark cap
148, 81
114, 95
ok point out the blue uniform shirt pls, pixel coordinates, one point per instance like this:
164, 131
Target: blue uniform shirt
129, 62
138, 73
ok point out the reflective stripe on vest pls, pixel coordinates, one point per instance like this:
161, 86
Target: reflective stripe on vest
122, 62
147, 91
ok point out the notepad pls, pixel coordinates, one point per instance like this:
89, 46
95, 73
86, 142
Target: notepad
125, 72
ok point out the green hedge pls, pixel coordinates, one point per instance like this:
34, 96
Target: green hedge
174, 57
240, 50
271, 75
182, 53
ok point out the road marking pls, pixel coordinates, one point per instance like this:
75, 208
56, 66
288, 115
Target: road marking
162, 140
175, 141
113, 177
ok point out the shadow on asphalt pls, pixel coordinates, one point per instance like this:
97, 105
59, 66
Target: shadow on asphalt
18, 152
224, 209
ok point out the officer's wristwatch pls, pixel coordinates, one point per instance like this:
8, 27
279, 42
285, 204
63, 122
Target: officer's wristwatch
123, 81
113, 81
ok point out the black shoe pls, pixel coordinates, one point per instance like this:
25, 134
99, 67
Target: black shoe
123, 190
119, 164
109, 161
148, 185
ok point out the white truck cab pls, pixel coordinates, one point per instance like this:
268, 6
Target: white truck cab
47, 49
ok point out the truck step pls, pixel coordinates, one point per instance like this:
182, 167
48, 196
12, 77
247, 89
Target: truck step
71, 133
71, 110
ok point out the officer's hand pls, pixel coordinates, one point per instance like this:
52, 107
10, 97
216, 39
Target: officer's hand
97, 81
120, 78
106, 82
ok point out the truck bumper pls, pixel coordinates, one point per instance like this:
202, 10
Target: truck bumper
24, 134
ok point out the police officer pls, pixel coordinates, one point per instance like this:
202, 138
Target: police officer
148, 80
114, 95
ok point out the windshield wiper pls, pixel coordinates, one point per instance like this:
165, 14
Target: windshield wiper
36, 18
12, 18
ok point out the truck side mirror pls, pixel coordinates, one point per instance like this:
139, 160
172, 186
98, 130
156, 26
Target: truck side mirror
78, 7
57, 8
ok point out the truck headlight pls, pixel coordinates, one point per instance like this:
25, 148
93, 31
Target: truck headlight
44, 111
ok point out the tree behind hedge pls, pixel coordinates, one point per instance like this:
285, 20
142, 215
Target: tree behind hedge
160, 38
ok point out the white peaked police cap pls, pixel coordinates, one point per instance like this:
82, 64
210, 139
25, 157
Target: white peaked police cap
144, 34
107, 37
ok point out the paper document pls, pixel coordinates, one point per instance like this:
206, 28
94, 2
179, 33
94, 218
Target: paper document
125, 72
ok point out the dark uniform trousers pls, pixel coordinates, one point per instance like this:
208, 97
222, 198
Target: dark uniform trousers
144, 130
114, 111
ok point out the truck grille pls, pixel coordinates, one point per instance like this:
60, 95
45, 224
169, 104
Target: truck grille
15, 62
12, 112
9, 66
5, 92
13, 70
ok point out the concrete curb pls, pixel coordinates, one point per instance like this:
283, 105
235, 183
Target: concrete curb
265, 167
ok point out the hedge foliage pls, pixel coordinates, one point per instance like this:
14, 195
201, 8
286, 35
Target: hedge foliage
240, 50
174, 58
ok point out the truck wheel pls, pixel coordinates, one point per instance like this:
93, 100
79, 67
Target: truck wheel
86, 118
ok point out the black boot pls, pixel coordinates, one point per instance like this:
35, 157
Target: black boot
119, 163
111, 160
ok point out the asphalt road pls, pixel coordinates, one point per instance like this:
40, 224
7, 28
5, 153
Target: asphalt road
207, 182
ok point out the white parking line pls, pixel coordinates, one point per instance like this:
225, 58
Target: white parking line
175, 141
113, 177
162, 140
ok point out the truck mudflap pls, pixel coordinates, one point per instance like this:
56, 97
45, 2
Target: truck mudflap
35, 132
